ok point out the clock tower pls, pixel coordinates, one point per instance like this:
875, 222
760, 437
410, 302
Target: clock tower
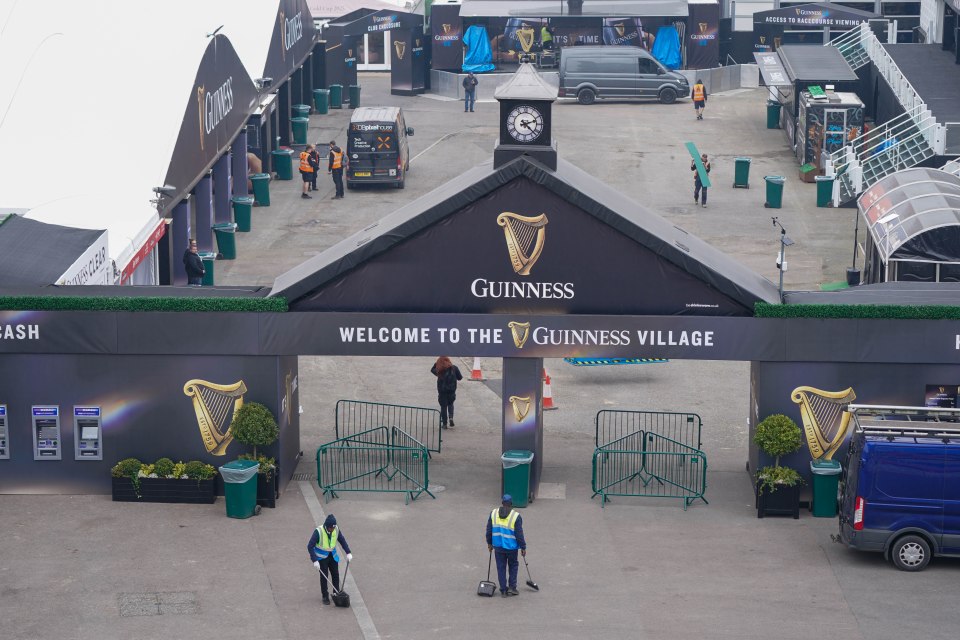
525, 101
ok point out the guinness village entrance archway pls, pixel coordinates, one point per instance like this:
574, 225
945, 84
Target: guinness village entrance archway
562, 266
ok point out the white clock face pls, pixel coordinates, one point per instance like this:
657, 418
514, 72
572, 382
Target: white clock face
525, 123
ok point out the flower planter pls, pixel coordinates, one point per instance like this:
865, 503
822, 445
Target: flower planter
165, 490
785, 501
268, 490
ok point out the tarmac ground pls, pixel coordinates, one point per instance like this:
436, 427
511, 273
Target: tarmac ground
84, 567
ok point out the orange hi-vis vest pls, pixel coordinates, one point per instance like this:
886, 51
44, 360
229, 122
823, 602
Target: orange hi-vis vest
337, 160
698, 92
305, 162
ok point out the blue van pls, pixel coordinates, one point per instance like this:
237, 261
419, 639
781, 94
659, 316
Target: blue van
901, 485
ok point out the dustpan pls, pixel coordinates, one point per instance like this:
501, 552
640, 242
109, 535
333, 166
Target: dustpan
487, 588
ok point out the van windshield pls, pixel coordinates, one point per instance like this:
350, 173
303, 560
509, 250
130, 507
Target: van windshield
372, 138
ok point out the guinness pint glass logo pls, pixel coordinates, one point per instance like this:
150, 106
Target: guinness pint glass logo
520, 331
619, 28
446, 29
215, 406
525, 36
521, 407
401, 48
525, 237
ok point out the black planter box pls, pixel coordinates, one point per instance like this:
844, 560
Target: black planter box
785, 501
165, 490
268, 491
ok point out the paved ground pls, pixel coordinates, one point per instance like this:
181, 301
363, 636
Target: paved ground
84, 567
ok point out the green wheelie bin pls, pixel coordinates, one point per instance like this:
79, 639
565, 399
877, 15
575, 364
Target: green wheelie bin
824, 190
240, 488
774, 191
336, 96
301, 110
300, 127
226, 234
516, 475
242, 210
261, 189
209, 260
741, 173
773, 114
321, 100
283, 163
354, 96
826, 480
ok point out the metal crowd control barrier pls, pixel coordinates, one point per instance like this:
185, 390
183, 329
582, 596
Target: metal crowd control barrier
613, 424
354, 416
384, 460
646, 464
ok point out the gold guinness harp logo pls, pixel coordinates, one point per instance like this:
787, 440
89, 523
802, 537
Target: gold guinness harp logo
525, 236
703, 27
283, 34
201, 96
215, 406
620, 29
400, 47
520, 331
825, 418
521, 407
446, 28
525, 36
763, 39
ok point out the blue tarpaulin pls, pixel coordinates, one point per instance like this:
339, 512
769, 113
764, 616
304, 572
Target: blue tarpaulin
478, 57
666, 48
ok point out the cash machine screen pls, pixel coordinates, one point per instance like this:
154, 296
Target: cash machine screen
87, 433
4, 445
46, 433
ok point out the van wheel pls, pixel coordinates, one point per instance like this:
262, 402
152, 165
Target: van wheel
400, 184
910, 553
586, 96
668, 95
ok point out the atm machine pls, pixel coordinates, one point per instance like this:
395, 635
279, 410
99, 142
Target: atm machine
87, 433
4, 434
46, 432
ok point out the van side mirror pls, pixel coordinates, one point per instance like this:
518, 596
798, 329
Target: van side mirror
409, 131
660, 71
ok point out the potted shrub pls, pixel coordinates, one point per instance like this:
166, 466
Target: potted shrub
164, 481
255, 426
778, 488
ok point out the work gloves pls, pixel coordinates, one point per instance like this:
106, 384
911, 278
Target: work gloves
316, 563
349, 557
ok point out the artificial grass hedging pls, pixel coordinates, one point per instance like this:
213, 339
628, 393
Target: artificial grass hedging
196, 304
852, 311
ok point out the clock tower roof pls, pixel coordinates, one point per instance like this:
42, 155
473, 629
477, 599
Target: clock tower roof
526, 84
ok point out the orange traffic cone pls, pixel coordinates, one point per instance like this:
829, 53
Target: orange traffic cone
547, 394
476, 374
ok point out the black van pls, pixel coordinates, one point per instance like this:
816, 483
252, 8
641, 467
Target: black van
377, 149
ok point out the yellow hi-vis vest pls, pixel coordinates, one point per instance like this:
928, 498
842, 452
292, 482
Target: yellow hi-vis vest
305, 162
503, 529
698, 92
327, 544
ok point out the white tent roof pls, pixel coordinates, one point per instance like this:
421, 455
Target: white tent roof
92, 95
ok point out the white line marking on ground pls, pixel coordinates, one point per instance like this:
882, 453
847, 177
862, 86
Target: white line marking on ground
356, 600
442, 138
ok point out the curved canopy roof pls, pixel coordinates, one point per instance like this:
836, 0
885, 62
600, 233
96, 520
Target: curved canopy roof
914, 215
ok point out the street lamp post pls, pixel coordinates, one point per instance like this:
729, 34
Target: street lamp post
781, 257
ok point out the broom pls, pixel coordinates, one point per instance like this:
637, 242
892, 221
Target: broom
530, 583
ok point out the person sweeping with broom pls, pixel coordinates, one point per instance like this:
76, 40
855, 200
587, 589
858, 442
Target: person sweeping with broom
505, 537
323, 552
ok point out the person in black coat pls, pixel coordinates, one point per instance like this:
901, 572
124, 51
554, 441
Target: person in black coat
447, 376
193, 264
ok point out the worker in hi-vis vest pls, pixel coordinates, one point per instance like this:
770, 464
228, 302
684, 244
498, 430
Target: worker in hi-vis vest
335, 168
307, 171
504, 538
699, 94
323, 552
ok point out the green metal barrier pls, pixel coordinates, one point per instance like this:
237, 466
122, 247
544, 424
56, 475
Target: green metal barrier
613, 424
646, 464
382, 460
354, 416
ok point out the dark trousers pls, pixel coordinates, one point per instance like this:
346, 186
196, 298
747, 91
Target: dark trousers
446, 407
313, 180
697, 186
504, 559
469, 99
338, 181
195, 281
331, 568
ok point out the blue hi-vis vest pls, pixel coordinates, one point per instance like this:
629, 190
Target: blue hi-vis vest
503, 529
327, 544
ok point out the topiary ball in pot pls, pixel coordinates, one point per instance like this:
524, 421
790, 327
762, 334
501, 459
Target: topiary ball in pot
777, 435
255, 426
163, 467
